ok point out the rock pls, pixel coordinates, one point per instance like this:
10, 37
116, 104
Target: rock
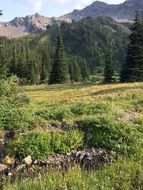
65, 125
10, 174
3, 167
87, 158
20, 167
90, 158
2, 148
8, 160
9, 134
28, 160
2, 141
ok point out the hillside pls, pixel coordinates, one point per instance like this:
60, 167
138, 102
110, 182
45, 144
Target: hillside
86, 40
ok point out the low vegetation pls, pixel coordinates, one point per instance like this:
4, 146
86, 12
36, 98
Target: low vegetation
42, 144
124, 174
100, 116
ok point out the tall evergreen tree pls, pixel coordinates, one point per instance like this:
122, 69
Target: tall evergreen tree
84, 71
3, 61
3, 66
13, 61
34, 70
45, 66
108, 70
59, 72
132, 70
75, 74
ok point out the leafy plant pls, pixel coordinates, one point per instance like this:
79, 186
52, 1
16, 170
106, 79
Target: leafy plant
42, 144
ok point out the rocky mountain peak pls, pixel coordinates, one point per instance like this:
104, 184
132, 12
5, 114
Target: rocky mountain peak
21, 26
124, 11
32, 24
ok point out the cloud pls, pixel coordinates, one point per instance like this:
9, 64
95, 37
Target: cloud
36, 5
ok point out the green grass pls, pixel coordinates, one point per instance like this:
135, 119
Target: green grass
122, 175
111, 115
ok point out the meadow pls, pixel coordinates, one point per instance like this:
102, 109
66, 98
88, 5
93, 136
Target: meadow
112, 115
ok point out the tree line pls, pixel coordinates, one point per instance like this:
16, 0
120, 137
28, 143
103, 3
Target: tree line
34, 63
132, 70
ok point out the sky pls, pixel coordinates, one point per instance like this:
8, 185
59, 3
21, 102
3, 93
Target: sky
13, 8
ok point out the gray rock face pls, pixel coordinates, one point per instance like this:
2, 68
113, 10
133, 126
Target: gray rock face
121, 12
22, 26
88, 159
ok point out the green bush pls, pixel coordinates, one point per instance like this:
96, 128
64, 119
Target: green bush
90, 109
58, 114
9, 91
42, 144
105, 132
11, 100
79, 109
16, 119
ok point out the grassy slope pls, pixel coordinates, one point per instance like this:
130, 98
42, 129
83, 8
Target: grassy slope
119, 104
84, 93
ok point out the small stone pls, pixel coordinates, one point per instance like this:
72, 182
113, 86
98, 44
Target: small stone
36, 162
20, 167
28, 160
8, 160
3, 167
10, 174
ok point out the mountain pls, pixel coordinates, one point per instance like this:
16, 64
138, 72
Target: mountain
86, 41
33, 24
124, 12
22, 26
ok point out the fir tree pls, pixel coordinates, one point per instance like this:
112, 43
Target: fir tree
45, 66
108, 70
3, 61
85, 71
34, 77
13, 61
59, 72
132, 70
75, 74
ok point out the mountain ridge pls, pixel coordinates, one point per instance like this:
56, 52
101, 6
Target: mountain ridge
21, 26
32, 24
124, 11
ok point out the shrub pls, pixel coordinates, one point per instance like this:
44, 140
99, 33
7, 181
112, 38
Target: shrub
16, 119
58, 114
11, 115
105, 132
90, 109
79, 109
42, 144
9, 91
